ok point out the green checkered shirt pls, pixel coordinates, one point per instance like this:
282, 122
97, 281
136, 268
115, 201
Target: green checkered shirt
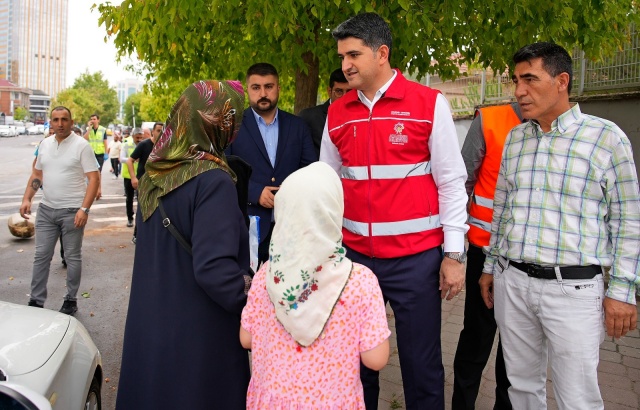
569, 197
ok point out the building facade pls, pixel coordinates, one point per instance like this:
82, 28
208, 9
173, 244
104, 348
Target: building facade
39, 106
33, 43
125, 90
12, 97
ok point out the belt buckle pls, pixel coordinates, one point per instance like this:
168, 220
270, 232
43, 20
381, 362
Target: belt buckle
534, 271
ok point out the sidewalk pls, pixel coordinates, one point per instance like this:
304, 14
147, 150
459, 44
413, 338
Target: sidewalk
618, 372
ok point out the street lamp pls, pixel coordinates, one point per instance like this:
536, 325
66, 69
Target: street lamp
133, 109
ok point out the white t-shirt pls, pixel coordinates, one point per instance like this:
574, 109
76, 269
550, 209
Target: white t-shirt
63, 167
114, 149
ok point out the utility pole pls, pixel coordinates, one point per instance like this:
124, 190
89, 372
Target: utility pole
133, 109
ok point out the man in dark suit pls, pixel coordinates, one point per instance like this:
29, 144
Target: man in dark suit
275, 144
315, 117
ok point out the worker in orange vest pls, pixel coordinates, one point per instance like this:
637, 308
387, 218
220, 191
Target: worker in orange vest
482, 154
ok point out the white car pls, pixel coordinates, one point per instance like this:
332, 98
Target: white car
34, 130
47, 360
7, 131
20, 128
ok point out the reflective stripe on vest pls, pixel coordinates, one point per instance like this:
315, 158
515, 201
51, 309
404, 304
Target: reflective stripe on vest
386, 171
480, 224
392, 228
482, 201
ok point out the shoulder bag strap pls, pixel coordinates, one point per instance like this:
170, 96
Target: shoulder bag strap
166, 222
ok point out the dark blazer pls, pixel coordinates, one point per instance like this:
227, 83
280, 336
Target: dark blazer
315, 117
295, 150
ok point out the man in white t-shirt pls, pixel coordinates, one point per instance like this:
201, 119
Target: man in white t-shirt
66, 162
114, 155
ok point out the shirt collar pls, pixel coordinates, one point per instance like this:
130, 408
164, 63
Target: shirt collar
379, 93
261, 120
564, 121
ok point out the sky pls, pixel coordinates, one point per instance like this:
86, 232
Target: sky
86, 49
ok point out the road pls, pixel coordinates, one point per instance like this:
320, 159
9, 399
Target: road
107, 265
107, 258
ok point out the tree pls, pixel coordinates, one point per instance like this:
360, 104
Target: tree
131, 106
158, 99
191, 40
20, 113
90, 94
79, 101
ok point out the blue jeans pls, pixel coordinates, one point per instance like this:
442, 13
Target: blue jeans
50, 223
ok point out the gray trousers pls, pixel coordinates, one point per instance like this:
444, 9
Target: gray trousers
50, 223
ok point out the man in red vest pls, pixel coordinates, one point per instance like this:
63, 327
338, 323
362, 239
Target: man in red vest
395, 147
482, 152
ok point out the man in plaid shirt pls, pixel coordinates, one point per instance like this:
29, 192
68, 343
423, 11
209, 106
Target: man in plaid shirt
566, 205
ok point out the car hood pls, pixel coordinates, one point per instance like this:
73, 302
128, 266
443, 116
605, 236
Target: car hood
28, 337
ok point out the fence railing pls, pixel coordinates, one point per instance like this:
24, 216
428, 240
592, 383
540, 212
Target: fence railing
483, 86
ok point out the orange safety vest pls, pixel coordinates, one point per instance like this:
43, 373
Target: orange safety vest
497, 121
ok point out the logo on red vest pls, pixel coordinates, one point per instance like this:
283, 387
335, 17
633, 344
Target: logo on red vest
398, 138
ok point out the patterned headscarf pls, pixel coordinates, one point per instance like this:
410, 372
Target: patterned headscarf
203, 122
308, 267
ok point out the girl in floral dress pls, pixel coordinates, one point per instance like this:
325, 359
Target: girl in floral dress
312, 315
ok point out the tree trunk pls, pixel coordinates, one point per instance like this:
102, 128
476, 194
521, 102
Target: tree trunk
307, 84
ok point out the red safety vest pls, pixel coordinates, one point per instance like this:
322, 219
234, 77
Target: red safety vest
497, 121
390, 197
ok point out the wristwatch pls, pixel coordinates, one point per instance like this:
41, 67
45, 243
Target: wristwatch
457, 256
85, 210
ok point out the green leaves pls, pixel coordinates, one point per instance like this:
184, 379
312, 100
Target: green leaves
189, 40
90, 94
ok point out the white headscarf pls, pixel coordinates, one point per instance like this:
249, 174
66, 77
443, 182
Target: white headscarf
308, 268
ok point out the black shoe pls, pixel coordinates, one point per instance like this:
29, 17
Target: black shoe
64, 263
130, 223
69, 307
34, 304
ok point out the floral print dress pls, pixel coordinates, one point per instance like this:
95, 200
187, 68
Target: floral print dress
325, 375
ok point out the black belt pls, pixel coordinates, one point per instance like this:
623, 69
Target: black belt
567, 272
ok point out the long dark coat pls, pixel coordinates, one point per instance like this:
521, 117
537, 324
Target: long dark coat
181, 345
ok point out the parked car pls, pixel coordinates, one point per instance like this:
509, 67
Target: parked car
48, 355
35, 130
7, 131
20, 128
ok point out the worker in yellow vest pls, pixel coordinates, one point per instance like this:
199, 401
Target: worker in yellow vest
128, 145
482, 154
97, 136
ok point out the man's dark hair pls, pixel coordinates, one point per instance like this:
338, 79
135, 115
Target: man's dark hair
555, 59
337, 76
368, 27
62, 108
95, 115
262, 69
158, 123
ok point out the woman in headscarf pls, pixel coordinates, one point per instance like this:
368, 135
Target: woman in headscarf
181, 348
312, 314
